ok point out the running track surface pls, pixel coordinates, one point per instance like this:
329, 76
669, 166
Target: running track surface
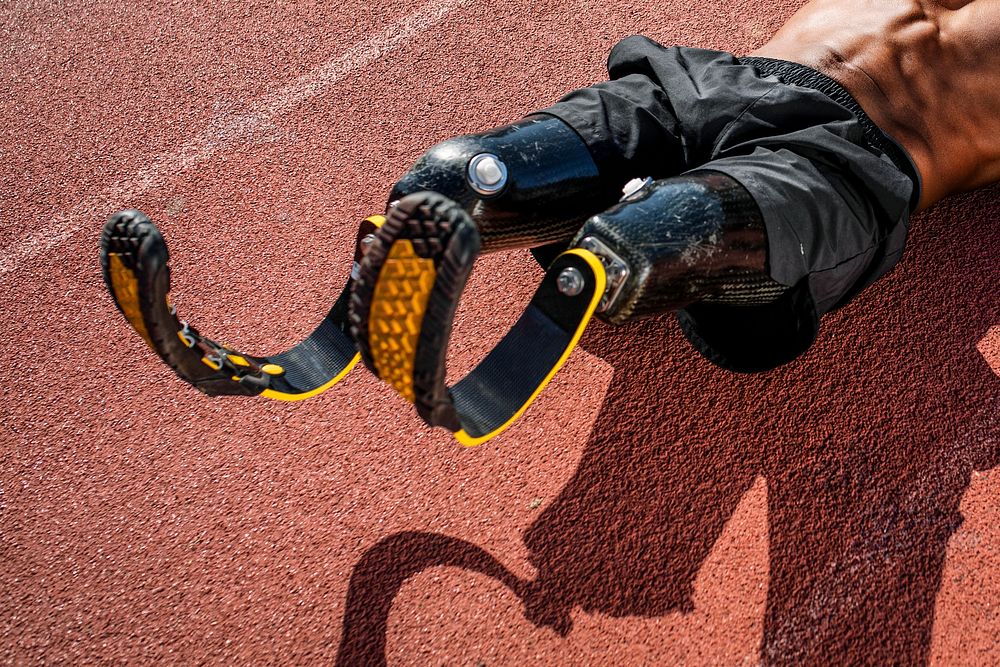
649, 509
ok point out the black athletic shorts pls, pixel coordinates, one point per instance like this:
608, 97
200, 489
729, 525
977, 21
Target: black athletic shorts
834, 191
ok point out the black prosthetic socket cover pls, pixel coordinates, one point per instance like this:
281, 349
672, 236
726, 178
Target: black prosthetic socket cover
552, 182
685, 239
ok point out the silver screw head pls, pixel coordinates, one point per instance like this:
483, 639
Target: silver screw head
366, 242
487, 174
634, 186
570, 281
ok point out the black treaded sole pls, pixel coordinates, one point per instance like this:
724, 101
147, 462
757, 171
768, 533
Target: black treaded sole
135, 240
438, 229
124, 234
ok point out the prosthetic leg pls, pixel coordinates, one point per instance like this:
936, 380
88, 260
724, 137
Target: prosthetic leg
526, 184
666, 245
797, 203
776, 145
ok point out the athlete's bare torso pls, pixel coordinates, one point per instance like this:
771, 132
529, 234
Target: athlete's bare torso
928, 73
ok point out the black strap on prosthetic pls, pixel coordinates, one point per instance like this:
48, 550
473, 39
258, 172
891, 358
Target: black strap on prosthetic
134, 260
404, 304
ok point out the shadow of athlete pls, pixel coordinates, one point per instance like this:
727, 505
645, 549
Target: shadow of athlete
867, 446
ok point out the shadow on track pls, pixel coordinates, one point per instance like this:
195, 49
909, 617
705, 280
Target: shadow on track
867, 445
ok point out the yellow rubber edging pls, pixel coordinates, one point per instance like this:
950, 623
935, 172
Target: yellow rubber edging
282, 396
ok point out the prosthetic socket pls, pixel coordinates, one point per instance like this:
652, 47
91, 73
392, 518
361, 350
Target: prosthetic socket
527, 184
698, 237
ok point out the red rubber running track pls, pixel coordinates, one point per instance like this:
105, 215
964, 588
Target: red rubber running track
649, 509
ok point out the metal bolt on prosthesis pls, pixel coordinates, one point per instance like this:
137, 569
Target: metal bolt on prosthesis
634, 186
617, 270
487, 174
570, 281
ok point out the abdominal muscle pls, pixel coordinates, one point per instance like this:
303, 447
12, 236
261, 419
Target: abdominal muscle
921, 71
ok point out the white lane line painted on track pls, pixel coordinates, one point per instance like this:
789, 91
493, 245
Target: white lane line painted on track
227, 131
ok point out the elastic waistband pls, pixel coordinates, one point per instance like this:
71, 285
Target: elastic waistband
799, 75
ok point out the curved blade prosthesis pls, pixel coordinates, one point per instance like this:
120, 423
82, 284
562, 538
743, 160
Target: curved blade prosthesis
403, 307
134, 262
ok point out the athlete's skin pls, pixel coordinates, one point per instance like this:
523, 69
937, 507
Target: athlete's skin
926, 72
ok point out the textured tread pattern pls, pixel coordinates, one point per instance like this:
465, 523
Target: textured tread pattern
440, 232
140, 287
134, 263
398, 308
433, 399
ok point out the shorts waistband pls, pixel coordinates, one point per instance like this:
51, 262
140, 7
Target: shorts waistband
799, 75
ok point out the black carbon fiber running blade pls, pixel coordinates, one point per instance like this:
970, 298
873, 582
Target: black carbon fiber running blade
134, 262
403, 307
497, 392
